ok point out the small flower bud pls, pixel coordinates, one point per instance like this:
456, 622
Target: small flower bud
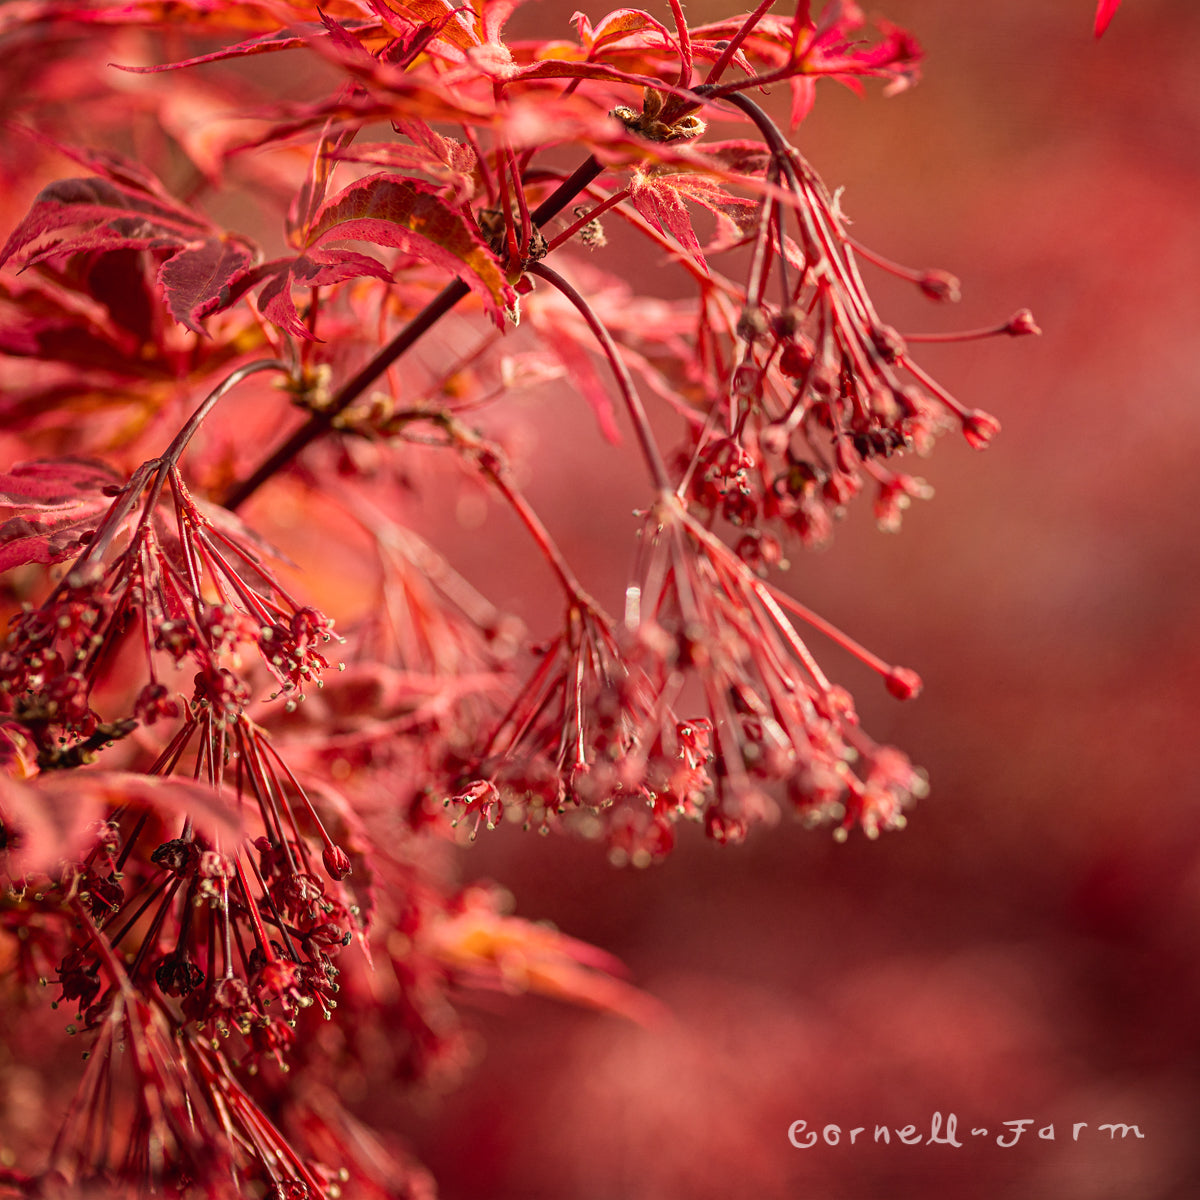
337, 863
839, 489
177, 856
753, 324
941, 286
1022, 324
795, 359
979, 428
785, 323
903, 683
888, 342
177, 976
747, 382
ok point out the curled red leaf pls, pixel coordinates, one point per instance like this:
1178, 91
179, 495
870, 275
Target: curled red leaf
412, 216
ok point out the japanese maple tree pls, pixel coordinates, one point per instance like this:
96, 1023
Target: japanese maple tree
225, 818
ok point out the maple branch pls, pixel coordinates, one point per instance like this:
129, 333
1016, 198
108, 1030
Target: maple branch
566, 191
494, 470
322, 422
812, 215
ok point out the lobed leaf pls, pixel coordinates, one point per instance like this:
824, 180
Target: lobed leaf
267, 43
197, 279
50, 485
660, 199
316, 268
201, 17
616, 26
24, 541
738, 156
577, 362
51, 320
454, 24
455, 178
412, 216
59, 503
484, 948
118, 216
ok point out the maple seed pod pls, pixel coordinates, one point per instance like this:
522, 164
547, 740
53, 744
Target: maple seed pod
888, 343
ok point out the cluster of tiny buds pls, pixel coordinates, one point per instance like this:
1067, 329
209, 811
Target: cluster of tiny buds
56, 653
810, 437
648, 123
201, 899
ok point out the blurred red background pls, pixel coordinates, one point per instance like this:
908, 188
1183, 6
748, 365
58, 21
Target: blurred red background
1027, 947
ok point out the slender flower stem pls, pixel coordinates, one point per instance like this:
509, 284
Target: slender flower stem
719, 67
162, 466
492, 465
927, 381
541, 535
963, 335
685, 45
185, 435
773, 597
588, 218
633, 402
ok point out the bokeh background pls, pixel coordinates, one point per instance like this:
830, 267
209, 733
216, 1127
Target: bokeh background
1027, 948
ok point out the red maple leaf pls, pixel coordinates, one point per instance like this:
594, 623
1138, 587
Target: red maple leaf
660, 198
58, 504
126, 208
316, 268
390, 210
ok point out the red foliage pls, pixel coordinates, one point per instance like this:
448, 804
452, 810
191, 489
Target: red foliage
205, 871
